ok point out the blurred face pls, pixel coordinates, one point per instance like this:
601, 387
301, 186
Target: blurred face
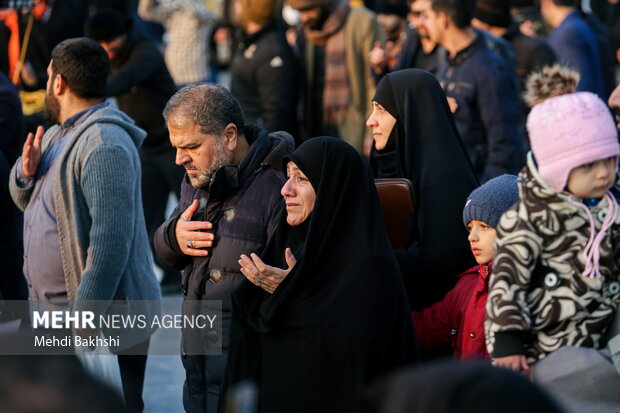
434, 24
52, 105
199, 153
311, 18
481, 240
114, 46
381, 122
298, 194
593, 180
391, 23
237, 14
416, 11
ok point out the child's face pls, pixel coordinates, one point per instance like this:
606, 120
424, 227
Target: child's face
592, 180
481, 239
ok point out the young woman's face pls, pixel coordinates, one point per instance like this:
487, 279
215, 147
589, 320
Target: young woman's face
381, 122
593, 180
481, 240
299, 195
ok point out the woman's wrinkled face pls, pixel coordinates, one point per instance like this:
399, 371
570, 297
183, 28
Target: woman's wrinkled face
298, 194
381, 122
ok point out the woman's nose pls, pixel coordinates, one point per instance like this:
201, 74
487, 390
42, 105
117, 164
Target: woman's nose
371, 121
287, 189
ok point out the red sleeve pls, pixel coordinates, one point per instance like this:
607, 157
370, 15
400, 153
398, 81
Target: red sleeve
436, 326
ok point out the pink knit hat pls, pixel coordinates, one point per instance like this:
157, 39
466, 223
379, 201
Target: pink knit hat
568, 131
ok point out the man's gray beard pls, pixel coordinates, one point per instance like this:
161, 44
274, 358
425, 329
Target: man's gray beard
204, 178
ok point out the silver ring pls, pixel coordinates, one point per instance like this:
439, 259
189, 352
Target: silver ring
258, 280
190, 244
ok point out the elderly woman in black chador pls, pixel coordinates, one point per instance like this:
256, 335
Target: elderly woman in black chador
415, 137
324, 311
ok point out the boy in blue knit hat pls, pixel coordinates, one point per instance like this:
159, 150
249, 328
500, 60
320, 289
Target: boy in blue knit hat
458, 320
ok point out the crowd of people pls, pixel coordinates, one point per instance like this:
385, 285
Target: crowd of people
500, 114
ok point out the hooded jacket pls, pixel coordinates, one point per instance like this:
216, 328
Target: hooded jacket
242, 202
98, 203
539, 300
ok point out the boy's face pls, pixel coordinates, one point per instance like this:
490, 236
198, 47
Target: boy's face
593, 180
481, 240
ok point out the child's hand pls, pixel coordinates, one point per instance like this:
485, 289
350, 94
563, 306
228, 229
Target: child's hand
516, 362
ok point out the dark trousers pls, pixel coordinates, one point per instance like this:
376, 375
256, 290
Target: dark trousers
132, 365
160, 176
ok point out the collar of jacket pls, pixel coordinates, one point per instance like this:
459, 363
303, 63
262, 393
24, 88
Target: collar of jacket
248, 39
266, 150
464, 54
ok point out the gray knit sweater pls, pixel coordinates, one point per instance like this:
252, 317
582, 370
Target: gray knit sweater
98, 202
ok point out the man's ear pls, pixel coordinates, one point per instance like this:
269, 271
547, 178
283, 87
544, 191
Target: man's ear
231, 137
444, 21
59, 86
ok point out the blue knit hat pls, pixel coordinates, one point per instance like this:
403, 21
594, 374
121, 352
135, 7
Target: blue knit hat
488, 202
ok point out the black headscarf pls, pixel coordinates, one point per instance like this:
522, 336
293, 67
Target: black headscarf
429, 152
340, 318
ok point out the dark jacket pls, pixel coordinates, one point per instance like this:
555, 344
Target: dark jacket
142, 85
532, 53
457, 321
488, 117
575, 45
12, 281
243, 203
12, 135
264, 79
605, 47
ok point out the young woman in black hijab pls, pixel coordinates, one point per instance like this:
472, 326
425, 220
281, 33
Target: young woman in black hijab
338, 316
415, 138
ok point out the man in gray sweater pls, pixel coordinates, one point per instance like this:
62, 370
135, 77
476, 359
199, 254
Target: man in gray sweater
79, 187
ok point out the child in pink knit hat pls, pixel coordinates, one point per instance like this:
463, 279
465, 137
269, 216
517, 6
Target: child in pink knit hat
556, 278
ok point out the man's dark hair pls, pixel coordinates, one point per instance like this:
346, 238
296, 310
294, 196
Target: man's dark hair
108, 24
208, 105
565, 3
460, 12
84, 65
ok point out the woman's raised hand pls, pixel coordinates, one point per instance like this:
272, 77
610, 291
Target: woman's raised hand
263, 275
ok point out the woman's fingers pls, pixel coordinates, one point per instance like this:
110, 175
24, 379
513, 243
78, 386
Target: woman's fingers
260, 265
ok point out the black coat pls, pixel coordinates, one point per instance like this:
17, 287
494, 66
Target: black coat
243, 204
140, 81
340, 319
427, 151
265, 79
